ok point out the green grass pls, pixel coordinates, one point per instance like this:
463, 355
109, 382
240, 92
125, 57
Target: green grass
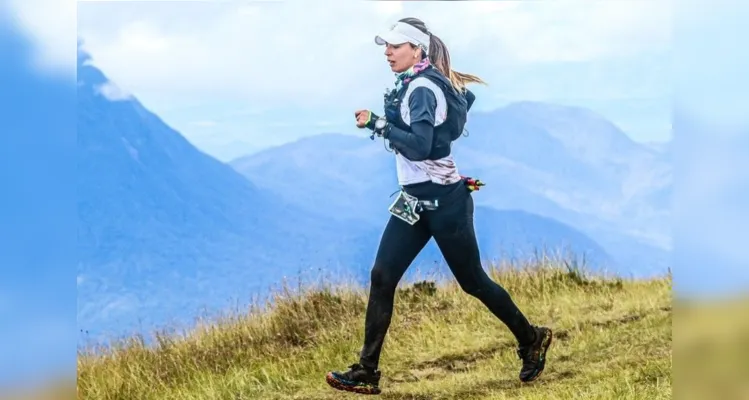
612, 341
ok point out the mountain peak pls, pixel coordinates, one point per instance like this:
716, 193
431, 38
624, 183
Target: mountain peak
580, 129
544, 106
93, 80
548, 112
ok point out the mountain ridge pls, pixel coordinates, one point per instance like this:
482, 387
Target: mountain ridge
155, 213
166, 230
620, 201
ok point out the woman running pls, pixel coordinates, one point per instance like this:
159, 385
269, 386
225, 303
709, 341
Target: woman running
423, 115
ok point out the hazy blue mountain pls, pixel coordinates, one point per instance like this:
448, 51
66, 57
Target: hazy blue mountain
166, 231
573, 157
345, 177
661, 147
621, 197
559, 162
503, 236
517, 234
353, 178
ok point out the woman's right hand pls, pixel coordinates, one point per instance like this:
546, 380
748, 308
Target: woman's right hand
362, 116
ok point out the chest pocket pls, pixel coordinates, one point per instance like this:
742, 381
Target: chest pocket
392, 107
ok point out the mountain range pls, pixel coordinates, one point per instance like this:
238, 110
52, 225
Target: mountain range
166, 230
562, 163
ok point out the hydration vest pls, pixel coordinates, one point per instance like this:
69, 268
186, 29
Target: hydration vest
457, 109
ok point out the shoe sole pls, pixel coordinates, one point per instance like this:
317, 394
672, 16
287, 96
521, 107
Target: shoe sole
336, 384
542, 364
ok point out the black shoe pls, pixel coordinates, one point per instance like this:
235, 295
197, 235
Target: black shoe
357, 379
534, 355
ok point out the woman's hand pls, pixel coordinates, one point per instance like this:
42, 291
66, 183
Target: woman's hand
362, 116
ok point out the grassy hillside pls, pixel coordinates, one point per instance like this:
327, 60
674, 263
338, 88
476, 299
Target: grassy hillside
612, 340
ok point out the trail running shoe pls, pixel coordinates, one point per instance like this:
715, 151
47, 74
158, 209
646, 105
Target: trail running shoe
534, 355
357, 379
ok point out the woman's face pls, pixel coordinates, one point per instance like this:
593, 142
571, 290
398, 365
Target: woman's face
400, 56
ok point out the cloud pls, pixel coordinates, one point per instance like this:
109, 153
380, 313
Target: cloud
298, 54
584, 31
113, 92
50, 24
246, 65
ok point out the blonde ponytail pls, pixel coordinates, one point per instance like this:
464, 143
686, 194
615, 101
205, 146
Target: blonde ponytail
440, 57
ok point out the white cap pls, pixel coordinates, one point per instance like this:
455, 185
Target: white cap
402, 32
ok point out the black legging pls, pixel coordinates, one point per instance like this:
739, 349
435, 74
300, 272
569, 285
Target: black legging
451, 225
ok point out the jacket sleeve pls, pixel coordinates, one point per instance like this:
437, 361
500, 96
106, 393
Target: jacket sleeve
416, 144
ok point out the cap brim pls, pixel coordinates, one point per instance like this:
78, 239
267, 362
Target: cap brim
392, 38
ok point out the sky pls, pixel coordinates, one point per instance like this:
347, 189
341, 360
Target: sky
235, 77
217, 63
